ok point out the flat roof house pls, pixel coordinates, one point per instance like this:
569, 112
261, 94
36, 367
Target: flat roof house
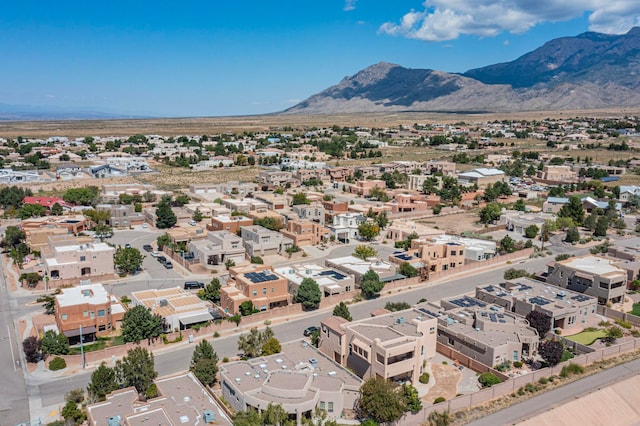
488, 334
259, 285
89, 307
358, 267
182, 400
394, 346
178, 307
300, 379
592, 275
329, 280
481, 177
566, 308
68, 260
217, 248
260, 241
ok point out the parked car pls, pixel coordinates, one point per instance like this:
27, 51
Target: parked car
162, 259
192, 223
155, 254
144, 225
168, 265
147, 247
310, 330
127, 246
192, 285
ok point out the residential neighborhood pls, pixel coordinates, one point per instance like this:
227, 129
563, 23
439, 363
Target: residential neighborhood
336, 264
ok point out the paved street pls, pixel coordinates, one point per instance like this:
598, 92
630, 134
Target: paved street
177, 359
548, 400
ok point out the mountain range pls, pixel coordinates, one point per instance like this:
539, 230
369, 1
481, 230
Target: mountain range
588, 71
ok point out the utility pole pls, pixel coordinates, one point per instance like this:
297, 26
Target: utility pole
81, 347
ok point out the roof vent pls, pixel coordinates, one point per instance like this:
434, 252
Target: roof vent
163, 302
400, 320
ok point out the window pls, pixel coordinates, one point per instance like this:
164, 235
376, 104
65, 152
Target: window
64, 317
93, 314
264, 290
347, 288
255, 292
83, 258
380, 358
330, 406
616, 285
85, 314
515, 355
453, 252
322, 405
100, 312
102, 327
604, 285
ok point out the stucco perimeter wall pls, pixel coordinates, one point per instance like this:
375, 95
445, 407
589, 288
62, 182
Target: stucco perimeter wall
513, 384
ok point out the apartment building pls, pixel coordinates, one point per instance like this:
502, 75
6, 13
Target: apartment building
217, 248
260, 241
227, 223
592, 275
404, 203
275, 177
566, 308
67, 258
305, 233
261, 286
394, 346
332, 208
178, 307
475, 249
300, 378
329, 280
89, 307
339, 174
345, 226
486, 333
121, 216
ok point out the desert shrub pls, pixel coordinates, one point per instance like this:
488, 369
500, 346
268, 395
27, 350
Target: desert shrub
225, 359
543, 381
488, 379
530, 387
57, 364
517, 364
439, 400
570, 369
521, 391
624, 324
424, 378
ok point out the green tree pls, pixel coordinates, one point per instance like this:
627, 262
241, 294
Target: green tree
411, 398
342, 310
309, 294
540, 321
103, 231
204, 363
103, 381
269, 222
371, 284
381, 400
31, 348
601, 227
247, 308
197, 215
488, 379
53, 343
490, 213
573, 209
364, 252
271, 347
573, 235
407, 270
136, 369
13, 235
396, 306
163, 241
531, 231
512, 274
551, 351
300, 198
165, 217
437, 418
56, 209
275, 415
251, 343
368, 230
128, 259
139, 323
247, 418
48, 303
507, 244
31, 278
211, 291
613, 333
84, 196
32, 210
379, 194
72, 414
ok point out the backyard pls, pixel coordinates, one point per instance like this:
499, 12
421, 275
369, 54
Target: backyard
588, 337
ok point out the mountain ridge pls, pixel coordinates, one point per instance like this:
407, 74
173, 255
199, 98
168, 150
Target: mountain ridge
587, 71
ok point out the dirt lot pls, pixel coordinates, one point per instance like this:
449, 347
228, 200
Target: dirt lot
455, 223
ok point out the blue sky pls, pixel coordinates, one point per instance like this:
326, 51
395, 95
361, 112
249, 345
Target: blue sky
217, 58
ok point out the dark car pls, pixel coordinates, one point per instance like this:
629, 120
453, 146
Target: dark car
193, 285
310, 330
127, 246
147, 247
162, 259
168, 265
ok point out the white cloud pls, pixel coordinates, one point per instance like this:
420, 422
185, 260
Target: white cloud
448, 19
506, 42
349, 5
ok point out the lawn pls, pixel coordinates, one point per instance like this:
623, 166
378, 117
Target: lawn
587, 337
636, 310
100, 344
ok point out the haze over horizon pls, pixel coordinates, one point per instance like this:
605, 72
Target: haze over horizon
241, 58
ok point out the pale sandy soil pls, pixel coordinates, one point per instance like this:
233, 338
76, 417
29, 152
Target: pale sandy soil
446, 378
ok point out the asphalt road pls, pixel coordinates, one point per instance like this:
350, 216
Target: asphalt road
548, 400
14, 403
177, 359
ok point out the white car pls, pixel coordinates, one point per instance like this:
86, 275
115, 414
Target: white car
144, 225
155, 254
